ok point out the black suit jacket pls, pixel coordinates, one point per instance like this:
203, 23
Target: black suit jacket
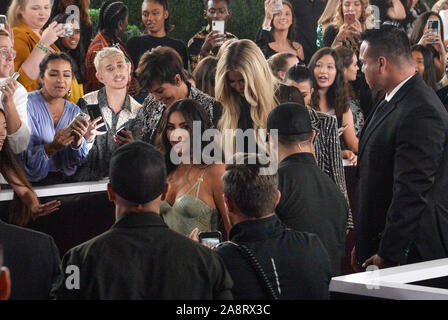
33, 260
403, 178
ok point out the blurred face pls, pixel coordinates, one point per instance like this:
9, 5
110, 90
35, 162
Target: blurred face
236, 81
153, 17
217, 10
36, 13
114, 72
352, 6
325, 71
283, 20
7, 55
3, 129
419, 62
305, 88
178, 133
72, 41
57, 78
168, 93
351, 71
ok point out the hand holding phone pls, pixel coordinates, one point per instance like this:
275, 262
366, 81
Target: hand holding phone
432, 25
349, 18
210, 239
277, 5
94, 112
3, 21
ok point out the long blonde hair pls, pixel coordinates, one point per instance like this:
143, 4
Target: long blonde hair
329, 12
14, 16
245, 57
365, 18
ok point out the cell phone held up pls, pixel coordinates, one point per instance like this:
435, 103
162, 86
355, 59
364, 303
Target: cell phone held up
433, 26
349, 18
80, 117
3, 21
94, 112
277, 6
210, 239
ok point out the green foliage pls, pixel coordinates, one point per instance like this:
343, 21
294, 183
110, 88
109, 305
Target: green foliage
187, 16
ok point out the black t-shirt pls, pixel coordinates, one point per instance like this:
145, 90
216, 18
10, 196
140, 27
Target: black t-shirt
307, 12
137, 46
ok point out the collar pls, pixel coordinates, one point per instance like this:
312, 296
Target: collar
145, 219
302, 157
102, 100
255, 230
390, 95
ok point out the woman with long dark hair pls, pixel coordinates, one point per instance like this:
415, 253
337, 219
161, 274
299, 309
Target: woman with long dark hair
25, 205
277, 33
424, 64
195, 195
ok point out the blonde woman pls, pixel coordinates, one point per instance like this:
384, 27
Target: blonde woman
325, 19
351, 18
245, 86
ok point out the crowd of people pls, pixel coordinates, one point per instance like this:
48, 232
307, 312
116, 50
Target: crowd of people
186, 133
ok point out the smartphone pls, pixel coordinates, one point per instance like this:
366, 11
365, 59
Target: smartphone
218, 25
3, 21
349, 18
277, 5
433, 26
81, 116
120, 132
94, 112
210, 239
68, 30
15, 76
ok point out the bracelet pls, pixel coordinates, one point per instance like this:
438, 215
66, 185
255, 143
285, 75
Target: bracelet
41, 47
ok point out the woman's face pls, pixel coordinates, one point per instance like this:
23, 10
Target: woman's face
7, 55
3, 129
283, 20
153, 17
168, 93
57, 78
419, 62
351, 72
352, 6
325, 71
178, 133
72, 41
236, 81
35, 13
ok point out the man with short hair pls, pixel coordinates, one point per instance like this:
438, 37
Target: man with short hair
207, 42
295, 264
280, 64
140, 257
117, 107
310, 201
402, 161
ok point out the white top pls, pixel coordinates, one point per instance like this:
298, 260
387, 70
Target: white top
18, 141
393, 92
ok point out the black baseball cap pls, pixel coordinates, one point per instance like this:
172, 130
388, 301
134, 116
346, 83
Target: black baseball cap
137, 172
289, 119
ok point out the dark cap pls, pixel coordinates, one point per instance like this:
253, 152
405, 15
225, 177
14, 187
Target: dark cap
137, 172
289, 119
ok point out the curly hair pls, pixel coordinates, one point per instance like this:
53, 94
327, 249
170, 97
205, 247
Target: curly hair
337, 97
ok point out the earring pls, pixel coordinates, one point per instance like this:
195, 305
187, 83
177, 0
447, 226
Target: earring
69, 93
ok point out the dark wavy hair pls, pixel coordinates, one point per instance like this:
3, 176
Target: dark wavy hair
78, 55
429, 75
191, 110
166, 6
19, 212
336, 94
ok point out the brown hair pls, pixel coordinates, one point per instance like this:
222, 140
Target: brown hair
83, 6
204, 75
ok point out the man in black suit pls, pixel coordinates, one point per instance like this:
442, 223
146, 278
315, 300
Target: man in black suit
32, 259
402, 162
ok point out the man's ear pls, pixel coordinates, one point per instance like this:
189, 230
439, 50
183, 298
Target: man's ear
165, 192
166, 14
5, 283
111, 193
177, 79
99, 77
281, 74
382, 63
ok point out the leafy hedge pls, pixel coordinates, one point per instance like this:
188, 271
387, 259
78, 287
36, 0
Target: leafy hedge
188, 17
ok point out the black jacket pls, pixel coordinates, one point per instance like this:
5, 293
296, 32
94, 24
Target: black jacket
403, 178
33, 261
140, 258
296, 263
311, 202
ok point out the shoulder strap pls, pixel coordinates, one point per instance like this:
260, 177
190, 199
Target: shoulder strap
259, 272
